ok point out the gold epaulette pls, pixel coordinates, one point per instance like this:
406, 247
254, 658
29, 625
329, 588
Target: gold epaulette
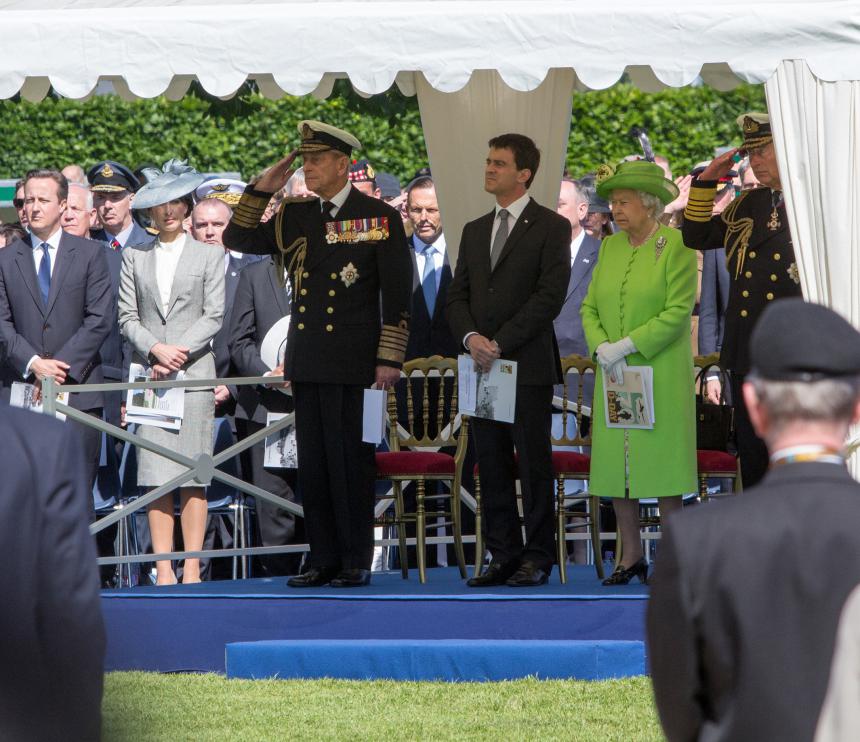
392, 343
700, 205
249, 210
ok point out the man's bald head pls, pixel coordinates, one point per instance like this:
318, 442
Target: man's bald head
209, 219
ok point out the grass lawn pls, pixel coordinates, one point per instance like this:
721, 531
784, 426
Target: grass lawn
146, 707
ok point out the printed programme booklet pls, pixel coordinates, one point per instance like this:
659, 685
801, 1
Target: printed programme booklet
631, 404
490, 395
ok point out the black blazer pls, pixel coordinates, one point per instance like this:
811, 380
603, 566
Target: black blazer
353, 307
80, 314
53, 646
259, 303
429, 336
516, 303
745, 604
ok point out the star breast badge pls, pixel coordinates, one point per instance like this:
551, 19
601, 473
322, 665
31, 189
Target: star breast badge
349, 275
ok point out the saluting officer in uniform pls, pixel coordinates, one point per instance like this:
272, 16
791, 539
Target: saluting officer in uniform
753, 229
344, 252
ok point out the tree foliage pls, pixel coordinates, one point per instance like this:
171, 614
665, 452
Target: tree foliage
249, 132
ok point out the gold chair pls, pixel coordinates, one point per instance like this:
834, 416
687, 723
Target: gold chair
416, 438
566, 465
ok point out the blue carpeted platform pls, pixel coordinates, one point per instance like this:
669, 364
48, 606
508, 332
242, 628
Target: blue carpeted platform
186, 628
455, 660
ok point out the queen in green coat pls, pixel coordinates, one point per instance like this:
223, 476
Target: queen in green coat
637, 312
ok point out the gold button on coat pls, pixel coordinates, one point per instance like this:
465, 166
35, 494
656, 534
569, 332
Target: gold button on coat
745, 293
302, 309
333, 276
330, 310
301, 325
744, 312
304, 292
329, 328
305, 274
331, 292
773, 277
776, 256
769, 296
752, 253
748, 274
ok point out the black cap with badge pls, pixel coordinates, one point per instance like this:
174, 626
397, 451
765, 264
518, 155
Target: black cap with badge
795, 340
108, 176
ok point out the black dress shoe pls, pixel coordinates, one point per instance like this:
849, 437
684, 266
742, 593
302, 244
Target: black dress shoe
622, 575
313, 577
352, 578
496, 574
528, 575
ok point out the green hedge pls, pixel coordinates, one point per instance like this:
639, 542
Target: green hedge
250, 132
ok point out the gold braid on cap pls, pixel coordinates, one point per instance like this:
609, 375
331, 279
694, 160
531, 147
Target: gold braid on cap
737, 235
299, 249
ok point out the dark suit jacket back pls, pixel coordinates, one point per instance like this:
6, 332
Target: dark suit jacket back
430, 336
514, 304
259, 303
80, 313
52, 651
745, 604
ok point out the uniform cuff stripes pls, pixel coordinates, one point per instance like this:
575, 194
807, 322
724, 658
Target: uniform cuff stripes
250, 209
392, 344
700, 205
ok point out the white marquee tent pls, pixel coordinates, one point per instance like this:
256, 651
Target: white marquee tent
480, 67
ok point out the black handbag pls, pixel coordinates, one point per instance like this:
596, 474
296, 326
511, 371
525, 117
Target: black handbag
714, 422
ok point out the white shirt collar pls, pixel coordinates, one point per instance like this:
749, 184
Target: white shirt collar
439, 244
123, 236
516, 208
339, 198
53, 240
575, 244
172, 247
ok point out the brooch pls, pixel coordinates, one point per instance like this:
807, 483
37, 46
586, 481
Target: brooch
659, 246
349, 275
793, 273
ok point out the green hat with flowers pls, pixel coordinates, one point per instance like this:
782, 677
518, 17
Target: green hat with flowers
636, 175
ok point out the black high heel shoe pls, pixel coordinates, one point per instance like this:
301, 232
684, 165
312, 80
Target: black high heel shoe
622, 576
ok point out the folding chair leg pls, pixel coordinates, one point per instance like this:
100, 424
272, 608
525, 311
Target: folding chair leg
561, 531
594, 506
479, 541
401, 529
420, 530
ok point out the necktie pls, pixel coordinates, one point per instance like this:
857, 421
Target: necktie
114, 245
428, 278
327, 207
45, 273
500, 239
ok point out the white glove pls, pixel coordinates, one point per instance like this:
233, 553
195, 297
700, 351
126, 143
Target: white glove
616, 371
608, 354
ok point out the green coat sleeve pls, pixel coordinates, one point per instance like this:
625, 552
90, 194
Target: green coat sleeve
594, 332
667, 326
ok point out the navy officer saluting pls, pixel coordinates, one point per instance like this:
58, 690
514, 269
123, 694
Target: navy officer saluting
759, 255
343, 252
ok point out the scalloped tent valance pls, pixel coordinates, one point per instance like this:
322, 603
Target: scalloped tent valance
150, 47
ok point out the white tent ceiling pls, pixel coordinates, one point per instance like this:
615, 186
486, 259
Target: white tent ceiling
150, 47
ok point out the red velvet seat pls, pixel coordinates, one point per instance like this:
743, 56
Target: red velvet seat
716, 462
571, 462
402, 463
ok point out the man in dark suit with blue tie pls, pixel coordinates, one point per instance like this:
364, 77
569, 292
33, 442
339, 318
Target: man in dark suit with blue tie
512, 274
262, 299
56, 305
53, 646
573, 206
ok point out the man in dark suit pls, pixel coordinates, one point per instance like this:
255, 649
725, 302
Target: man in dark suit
512, 274
747, 594
262, 299
573, 206
56, 305
351, 275
52, 652
753, 229
713, 303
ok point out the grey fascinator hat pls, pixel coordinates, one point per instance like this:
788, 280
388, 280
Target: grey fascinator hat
176, 179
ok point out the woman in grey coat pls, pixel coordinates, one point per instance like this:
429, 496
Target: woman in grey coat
170, 307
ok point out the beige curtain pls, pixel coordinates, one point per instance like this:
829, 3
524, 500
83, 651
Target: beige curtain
458, 125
